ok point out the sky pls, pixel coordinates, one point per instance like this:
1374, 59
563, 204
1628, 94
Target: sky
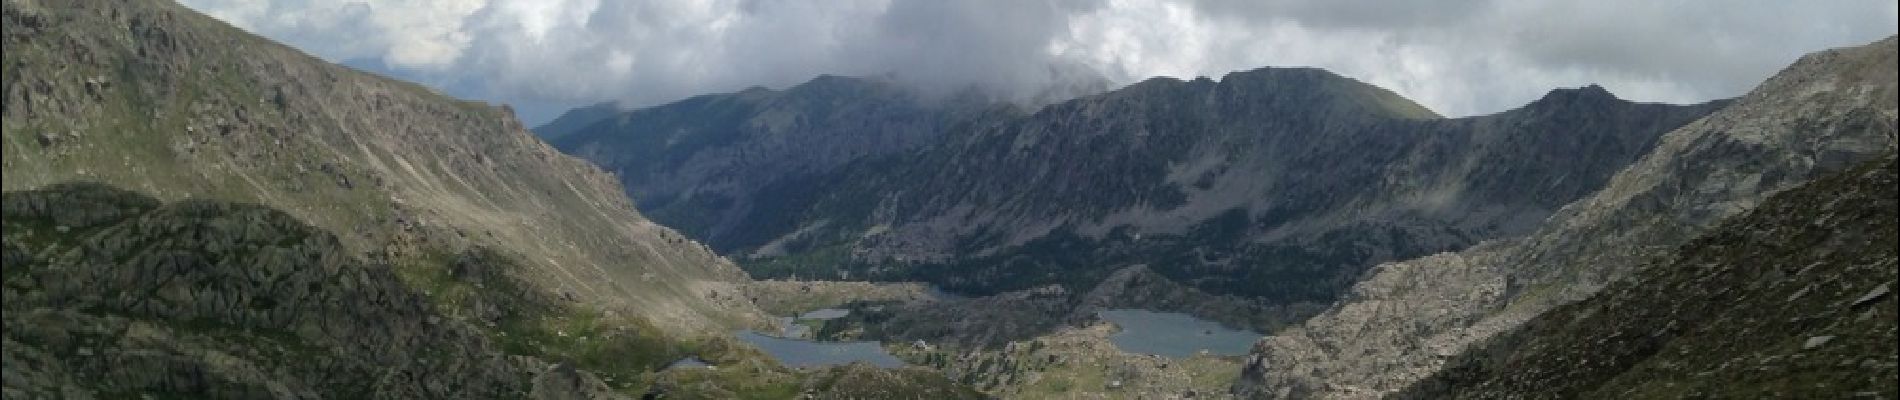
1457, 57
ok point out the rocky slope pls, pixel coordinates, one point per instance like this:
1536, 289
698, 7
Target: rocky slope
1275, 184
1791, 300
1080, 363
296, 229
720, 166
113, 294
1828, 111
576, 119
158, 99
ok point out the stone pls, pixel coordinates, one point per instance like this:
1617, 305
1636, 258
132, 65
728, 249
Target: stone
1816, 342
1872, 295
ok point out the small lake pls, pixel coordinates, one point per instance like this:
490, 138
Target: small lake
688, 363
806, 353
825, 314
1175, 335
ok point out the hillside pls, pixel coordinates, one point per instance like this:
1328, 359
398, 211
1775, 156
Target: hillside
154, 98
195, 212
1828, 111
1793, 299
1276, 185
721, 166
113, 294
575, 119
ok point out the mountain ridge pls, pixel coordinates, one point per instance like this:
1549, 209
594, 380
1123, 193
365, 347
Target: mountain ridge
161, 100
1122, 160
1824, 112
1791, 299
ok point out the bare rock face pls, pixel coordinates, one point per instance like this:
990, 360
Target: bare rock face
1828, 111
155, 98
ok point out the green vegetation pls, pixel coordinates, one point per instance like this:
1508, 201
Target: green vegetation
475, 285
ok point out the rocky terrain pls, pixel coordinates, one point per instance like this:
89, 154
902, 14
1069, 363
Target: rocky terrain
1275, 184
155, 98
1078, 363
721, 166
1792, 300
852, 381
194, 212
1828, 111
792, 297
113, 294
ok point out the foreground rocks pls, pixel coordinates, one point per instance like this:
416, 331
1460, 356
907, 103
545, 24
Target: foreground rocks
1077, 363
1792, 300
110, 293
1829, 111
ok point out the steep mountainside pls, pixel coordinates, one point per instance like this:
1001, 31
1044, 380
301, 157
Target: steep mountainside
155, 98
575, 119
719, 166
1828, 111
1276, 184
112, 294
1792, 300
296, 229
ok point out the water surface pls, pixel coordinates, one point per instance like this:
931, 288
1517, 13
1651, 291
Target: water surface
806, 353
1175, 334
825, 314
688, 363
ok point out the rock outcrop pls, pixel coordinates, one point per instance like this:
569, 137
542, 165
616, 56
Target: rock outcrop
1828, 111
1792, 300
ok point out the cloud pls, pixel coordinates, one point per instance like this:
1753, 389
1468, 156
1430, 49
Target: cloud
1460, 57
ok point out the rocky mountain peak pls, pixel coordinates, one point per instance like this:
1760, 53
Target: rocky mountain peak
828, 84
1591, 93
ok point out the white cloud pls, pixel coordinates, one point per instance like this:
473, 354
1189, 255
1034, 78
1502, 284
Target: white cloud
1459, 57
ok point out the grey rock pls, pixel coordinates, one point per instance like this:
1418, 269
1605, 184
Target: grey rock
1403, 318
1876, 294
1816, 342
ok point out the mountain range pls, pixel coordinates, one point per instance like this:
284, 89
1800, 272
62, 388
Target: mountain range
191, 211
1278, 184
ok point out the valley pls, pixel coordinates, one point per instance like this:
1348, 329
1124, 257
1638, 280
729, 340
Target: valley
192, 210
